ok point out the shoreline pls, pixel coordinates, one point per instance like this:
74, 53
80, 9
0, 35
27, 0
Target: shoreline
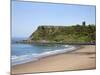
61, 62
53, 42
48, 54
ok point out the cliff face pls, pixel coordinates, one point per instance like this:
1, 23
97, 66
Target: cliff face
69, 34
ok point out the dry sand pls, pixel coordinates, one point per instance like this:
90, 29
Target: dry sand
81, 59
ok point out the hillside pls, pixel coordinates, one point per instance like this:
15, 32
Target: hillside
64, 34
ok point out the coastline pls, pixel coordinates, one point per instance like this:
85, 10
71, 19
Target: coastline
28, 41
80, 59
36, 57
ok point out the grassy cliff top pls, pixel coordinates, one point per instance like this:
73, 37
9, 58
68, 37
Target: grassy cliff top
69, 34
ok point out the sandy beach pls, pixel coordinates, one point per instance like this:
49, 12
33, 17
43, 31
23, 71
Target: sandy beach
80, 59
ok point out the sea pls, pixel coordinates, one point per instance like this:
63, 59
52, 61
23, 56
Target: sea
23, 53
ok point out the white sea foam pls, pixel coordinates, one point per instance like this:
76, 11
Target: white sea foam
66, 45
34, 57
23, 59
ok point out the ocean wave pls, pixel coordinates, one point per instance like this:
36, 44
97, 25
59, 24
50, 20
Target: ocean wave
36, 56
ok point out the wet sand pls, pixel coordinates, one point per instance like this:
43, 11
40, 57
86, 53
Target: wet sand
80, 59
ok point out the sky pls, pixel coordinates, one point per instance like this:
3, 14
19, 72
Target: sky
27, 16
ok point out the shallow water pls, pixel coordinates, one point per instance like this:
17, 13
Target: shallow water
22, 53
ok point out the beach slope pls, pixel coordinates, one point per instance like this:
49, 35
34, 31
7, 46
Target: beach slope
80, 59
